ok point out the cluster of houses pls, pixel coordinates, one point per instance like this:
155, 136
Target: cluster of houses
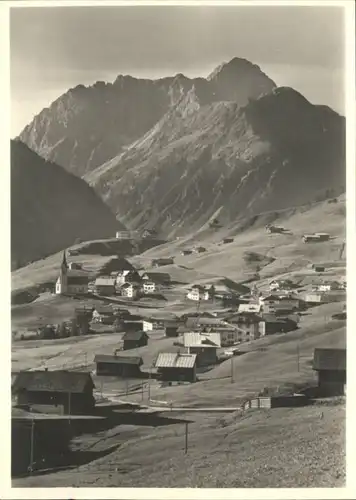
124, 281
219, 291
70, 392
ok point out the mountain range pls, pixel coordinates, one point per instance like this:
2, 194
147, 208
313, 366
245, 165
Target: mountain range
51, 208
175, 152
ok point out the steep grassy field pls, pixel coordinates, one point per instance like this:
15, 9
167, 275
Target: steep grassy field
271, 448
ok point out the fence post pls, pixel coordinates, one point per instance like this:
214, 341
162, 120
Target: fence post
32, 443
186, 438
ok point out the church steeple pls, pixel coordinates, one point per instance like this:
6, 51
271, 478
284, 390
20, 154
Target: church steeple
64, 265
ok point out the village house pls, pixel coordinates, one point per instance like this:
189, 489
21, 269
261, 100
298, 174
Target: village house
229, 335
160, 279
71, 281
131, 290
176, 367
133, 339
221, 292
252, 325
63, 391
103, 314
273, 324
250, 308
119, 366
318, 268
330, 365
149, 287
204, 345
105, 285
197, 293
126, 235
125, 276
274, 303
329, 286
162, 262
281, 284
204, 322
315, 298
150, 325
316, 237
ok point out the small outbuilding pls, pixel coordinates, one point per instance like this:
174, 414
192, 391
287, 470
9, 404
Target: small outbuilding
132, 340
171, 328
176, 366
118, 366
330, 365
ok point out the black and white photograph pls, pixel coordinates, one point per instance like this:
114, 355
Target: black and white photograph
178, 180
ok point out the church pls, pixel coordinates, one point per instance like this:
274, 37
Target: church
71, 281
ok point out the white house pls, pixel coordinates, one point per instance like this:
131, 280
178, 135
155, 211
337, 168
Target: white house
280, 284
328, 287
149, 287
130, 290
197, 293
71, 281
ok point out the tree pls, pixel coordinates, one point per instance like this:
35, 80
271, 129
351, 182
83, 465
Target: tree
74, 331
83, 324
47, 332
62, 331
117, 325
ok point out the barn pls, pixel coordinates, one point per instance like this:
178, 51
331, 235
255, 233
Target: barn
176, 366
134, 339
330, 365
61, 390
118, 366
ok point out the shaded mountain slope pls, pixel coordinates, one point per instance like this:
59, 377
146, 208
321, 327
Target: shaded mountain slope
51, 208
199, 160
87, 126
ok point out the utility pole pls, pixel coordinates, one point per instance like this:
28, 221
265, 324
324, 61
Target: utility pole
232, 369
298, 357
149, 385
32, 444
142, 390
69, 409
186, 438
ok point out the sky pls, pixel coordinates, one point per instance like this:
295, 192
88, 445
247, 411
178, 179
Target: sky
55, 48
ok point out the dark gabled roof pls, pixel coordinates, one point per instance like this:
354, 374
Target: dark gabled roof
157, 277
119, 360
172, 324
53, 381
329, 359
104, 310
249, 316
134, 335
